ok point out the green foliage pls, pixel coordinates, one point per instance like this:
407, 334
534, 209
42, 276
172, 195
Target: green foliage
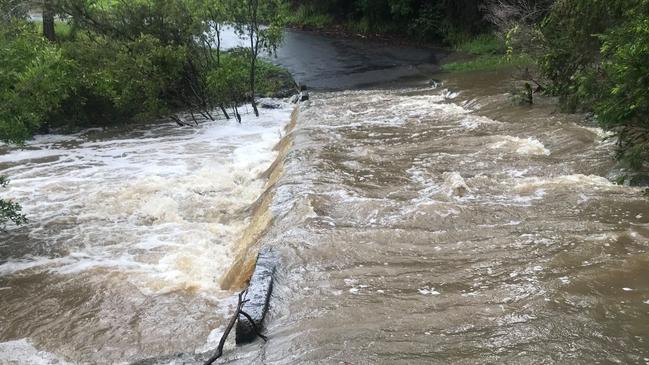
620, 86
119, 61
572, 45
247, 19
274, 80
13, 9
35, 81
9, 211
230, 80
489, 54
121, 80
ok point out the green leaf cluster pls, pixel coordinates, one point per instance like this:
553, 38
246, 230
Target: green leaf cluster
9, 211
35, 80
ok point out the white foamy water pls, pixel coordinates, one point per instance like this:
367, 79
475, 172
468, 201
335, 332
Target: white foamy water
22, 352
576, 181
159, 204
521, 146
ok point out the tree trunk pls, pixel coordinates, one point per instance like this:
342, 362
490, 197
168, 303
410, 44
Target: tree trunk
218, 46
236, 113
253, 7
48, 21
225, 112
253, 69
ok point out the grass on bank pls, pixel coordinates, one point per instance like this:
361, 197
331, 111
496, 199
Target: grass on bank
306, 16
488, 53
488, 63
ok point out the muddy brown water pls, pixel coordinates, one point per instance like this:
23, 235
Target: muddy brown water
422, 226
414, 225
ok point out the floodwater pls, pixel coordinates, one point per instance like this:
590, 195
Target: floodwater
448, 226
413, 225
130, 232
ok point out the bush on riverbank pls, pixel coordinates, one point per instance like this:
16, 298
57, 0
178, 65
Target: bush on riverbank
35, 81
592, 55
488, 52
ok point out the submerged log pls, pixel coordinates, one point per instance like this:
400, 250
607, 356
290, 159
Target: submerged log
254, 309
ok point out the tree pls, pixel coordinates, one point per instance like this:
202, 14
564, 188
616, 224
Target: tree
571, 42
127, 60
228, 81
248, 17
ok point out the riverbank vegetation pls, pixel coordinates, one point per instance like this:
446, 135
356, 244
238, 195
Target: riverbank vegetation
595, 59
106, 62
100, 62
439, 21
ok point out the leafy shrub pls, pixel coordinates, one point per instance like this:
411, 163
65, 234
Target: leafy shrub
619, 86
121, 61
9, 211
35, 81
572, 46
121, 80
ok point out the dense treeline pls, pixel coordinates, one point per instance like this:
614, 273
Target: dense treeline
423, 20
